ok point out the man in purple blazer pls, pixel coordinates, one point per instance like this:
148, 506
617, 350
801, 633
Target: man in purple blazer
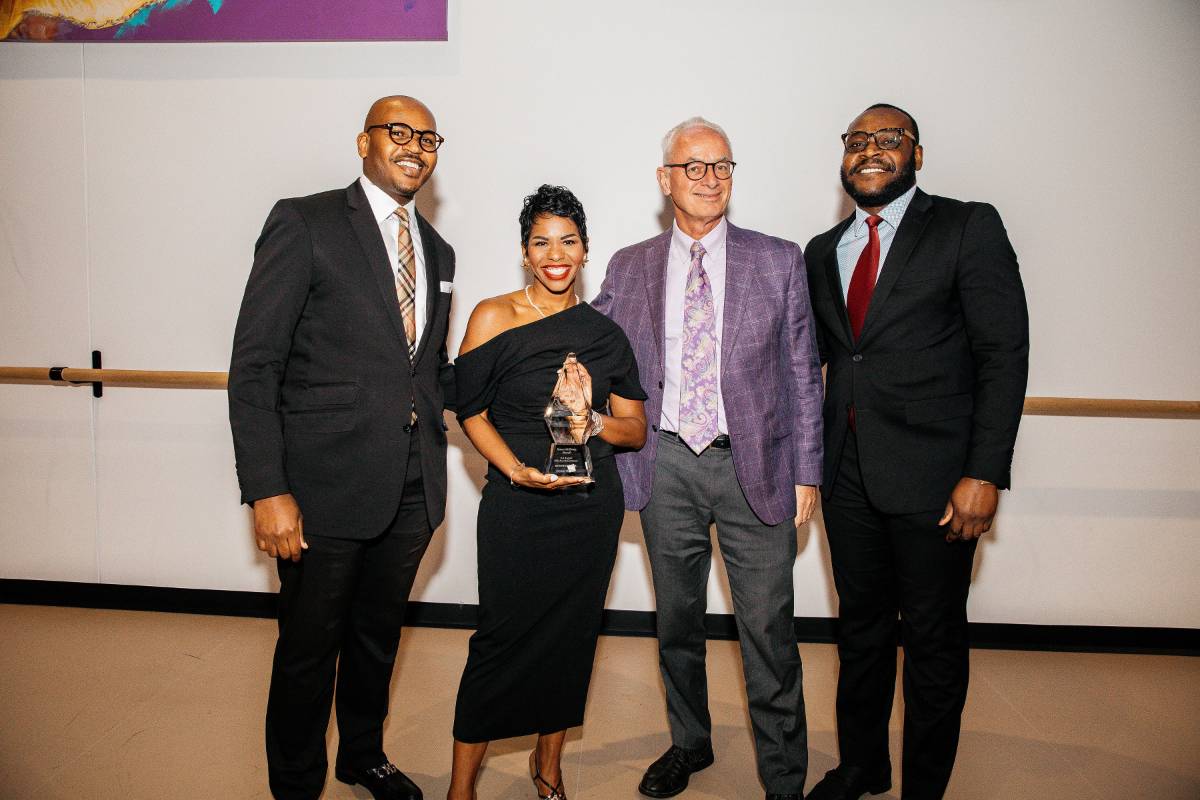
720, 321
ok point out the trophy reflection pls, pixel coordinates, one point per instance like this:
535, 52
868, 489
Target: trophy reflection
569, 418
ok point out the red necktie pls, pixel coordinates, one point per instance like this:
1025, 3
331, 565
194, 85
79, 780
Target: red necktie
862, 282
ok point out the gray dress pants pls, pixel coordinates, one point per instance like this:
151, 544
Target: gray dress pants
689, 494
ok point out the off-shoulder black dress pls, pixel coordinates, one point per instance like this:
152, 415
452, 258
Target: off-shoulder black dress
545, 556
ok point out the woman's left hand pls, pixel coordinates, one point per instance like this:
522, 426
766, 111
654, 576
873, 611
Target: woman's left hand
574, 387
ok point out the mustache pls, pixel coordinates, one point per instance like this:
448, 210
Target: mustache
886, 166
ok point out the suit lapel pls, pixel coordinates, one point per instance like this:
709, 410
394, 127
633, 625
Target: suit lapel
833, 280
655, 279
738, 277
907, 235
367, 230
433, 285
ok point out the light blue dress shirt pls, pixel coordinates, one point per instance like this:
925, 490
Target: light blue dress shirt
854, 240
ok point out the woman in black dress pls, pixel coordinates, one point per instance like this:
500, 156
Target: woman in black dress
546, 542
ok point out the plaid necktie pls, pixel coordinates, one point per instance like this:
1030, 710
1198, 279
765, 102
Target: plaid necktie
406, 282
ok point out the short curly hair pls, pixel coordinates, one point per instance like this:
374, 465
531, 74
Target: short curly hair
554, 201
916, 131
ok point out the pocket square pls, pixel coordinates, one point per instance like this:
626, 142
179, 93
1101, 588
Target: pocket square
447, 286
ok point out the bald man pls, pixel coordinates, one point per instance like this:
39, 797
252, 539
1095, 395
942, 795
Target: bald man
337, 384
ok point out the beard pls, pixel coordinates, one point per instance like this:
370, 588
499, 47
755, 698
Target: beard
901, 182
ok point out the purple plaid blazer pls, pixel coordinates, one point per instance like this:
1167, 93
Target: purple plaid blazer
770, 372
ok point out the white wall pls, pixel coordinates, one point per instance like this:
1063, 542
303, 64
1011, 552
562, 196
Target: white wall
136, 177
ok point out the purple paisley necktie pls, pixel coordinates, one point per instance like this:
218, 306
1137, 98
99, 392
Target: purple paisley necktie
698, 372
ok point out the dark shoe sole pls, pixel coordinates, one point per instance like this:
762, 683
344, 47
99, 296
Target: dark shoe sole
345, 777
658, 795
872, 790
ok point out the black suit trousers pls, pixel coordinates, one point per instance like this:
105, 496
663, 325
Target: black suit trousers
341, 608
884, 566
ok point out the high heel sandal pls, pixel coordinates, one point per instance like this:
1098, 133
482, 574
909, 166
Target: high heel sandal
556, 792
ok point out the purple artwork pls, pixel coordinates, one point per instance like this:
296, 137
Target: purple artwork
223, 20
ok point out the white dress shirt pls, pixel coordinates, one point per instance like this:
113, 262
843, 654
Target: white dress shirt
383, 208
679, 261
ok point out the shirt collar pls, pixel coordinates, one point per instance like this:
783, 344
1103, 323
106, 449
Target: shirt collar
712, 241
382, 206
892, 213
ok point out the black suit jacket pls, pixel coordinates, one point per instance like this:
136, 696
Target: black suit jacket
320, 385
937, 378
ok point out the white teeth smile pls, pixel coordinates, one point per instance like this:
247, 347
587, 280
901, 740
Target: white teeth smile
870, 170
556, 272
404, 162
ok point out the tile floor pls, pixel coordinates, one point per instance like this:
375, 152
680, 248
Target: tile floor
132, 705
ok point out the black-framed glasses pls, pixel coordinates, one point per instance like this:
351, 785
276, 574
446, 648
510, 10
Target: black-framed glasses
402, 133
885, 139
695, 170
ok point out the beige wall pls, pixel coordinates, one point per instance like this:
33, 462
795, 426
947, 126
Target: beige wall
136, 178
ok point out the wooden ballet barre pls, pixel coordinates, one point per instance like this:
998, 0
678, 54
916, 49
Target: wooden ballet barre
1098, 407
150, 379
132, 378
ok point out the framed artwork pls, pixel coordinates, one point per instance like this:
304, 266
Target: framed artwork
222, 20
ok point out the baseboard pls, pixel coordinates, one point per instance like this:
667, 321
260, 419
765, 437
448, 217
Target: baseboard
988, 635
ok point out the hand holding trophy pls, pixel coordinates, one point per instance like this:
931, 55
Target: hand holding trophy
571, 422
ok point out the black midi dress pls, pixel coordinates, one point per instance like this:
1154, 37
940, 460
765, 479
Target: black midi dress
545, 556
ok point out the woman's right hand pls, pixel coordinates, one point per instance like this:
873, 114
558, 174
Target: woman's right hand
533, 478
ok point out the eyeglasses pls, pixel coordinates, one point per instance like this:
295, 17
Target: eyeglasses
695, 170
403, 134
885, 139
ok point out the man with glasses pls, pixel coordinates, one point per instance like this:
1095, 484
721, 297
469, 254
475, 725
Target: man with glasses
336, 389
922, 322
719, 320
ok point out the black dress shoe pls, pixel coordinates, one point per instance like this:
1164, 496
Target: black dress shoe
668, 776
848, 783
384, 782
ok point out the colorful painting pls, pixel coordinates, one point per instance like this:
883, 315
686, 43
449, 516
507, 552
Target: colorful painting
222, 20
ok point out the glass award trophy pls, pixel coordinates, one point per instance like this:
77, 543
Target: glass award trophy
569, 417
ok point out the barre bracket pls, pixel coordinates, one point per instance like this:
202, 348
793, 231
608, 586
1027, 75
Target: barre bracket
56, 374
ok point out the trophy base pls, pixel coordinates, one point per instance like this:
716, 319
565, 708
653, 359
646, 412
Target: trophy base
569, 460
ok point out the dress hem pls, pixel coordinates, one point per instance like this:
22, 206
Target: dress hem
523, 731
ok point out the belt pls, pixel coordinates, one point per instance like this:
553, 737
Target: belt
721, 442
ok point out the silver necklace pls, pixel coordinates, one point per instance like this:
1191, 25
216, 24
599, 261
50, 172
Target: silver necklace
538, 308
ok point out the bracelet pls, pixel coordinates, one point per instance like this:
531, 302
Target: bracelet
597, 422
512, 469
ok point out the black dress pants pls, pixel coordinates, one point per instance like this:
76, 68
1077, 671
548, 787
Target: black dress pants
341, 608
884, 566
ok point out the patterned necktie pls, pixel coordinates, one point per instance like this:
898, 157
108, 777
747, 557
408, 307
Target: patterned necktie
862, 282
406, 282
698, 372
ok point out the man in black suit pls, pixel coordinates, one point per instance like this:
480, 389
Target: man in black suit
336, 389
922, 322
